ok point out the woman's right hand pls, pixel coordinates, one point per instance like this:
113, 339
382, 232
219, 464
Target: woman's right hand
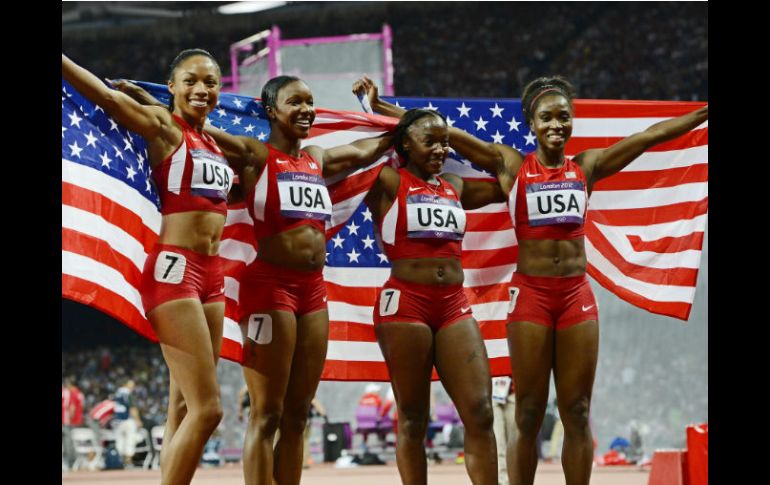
368, 88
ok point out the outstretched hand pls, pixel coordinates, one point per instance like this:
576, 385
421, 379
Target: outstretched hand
136, 92
367, 87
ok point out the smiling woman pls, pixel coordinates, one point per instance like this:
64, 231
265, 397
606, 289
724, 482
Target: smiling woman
182, 282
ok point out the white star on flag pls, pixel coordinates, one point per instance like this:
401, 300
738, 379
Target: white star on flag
383, 258
338, 240
118, 153
530, 138
353, 228
131, 172
367, 215
496, 111
128, 145
75, 119
237, 120
450, 121
140, 161
238, 102
91, 139
464, 110
497, 137
353, 255
430, 106
105, 160
513, 124
368, 242
75, 150
481, 124
250, 128
113, 125
221, 112
262, 136
63, 129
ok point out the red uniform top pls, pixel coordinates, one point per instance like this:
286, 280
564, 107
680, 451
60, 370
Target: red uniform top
548, 203
425, 220
290, 192
76, 398
195, 177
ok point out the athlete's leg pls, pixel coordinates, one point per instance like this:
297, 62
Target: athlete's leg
462, 364
408, 352
577, 350
306, 368
186, 342
530, 346
268, 348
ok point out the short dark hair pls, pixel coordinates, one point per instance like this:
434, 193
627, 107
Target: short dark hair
272, 87
405, 122
538, 87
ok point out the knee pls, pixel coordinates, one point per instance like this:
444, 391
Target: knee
266, 421
480, 417
412, 424
293, 422
529, 417
210, 414
575, 417
178, 406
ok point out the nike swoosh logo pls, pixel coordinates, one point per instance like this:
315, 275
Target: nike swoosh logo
586, 308
325, 298
412, 189
463, 310
281, 161
532, 174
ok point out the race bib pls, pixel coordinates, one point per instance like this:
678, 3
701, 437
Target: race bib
211, 176
513, 295
431, 216
389, 302
303, 196
561, 202
169, 267
260, 328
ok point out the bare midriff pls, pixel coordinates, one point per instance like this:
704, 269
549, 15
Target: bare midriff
302, 248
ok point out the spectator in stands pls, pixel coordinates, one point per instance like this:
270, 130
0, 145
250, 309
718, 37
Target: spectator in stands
72, 417
371, 396
126, 422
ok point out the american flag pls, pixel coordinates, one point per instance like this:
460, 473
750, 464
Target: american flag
644, 231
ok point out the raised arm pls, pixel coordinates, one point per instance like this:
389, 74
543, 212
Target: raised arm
148, 121
239, 150
357, 154
496, 158
600, 163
